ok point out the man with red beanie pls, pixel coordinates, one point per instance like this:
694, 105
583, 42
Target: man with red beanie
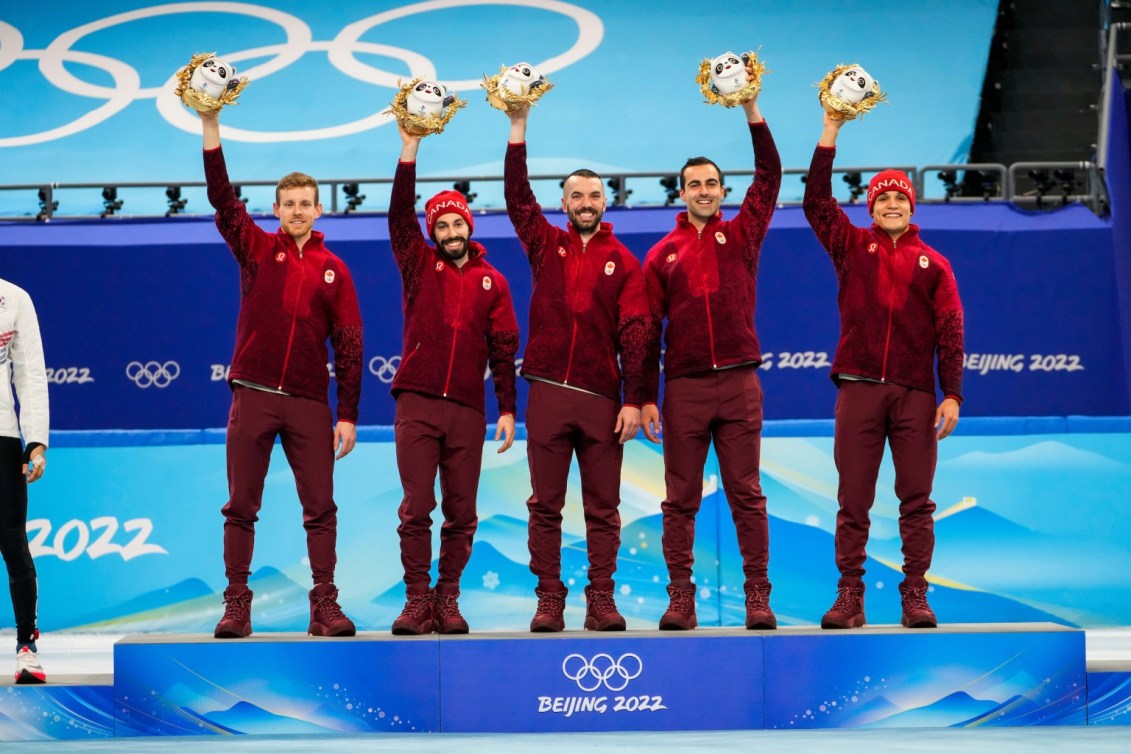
899, 312
702, 277
589, 332
458, 320
295, 295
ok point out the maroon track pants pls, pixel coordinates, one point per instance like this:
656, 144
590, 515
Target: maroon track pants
726, 407
559, 423
437, 434
867, 415
307, 433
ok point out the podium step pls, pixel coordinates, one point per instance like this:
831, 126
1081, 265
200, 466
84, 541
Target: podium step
68, 707
708, 679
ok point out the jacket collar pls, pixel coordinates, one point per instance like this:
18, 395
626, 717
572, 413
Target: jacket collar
683, 220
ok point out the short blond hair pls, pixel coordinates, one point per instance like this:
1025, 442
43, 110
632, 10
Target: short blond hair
296, 180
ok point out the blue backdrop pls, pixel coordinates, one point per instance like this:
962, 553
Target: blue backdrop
86, 88
138, 318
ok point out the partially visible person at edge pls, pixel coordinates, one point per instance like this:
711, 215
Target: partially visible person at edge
458, 320
21, 368
294, 296
587, 308
702, 277
899, 312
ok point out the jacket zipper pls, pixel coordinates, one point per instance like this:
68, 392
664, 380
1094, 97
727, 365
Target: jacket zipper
891, 306
455, 333
706, 298
573, 334
294, 321
407, 356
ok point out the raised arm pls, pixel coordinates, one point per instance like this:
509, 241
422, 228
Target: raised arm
762, 196
232, 219
405, 235
522, 207
828, 220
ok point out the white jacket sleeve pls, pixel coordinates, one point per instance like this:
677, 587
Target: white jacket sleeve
28, 373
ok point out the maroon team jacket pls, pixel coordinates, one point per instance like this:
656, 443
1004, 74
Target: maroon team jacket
899, 304
588, 302
291, 302
457, 320
705, 282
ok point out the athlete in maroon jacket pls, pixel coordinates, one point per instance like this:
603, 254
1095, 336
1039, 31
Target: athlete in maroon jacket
458, 320
702, 277
588, 306
899, 312
294, 296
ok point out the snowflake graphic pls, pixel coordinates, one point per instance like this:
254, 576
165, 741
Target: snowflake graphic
490, 580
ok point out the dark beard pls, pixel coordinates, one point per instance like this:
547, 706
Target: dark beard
576, 223
459, 253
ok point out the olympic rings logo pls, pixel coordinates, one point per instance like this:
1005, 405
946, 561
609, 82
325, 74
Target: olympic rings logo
340, 51
602, 670
152, 373
384, 369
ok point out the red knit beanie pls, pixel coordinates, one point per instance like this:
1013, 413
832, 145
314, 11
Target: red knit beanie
890, 180
443, 203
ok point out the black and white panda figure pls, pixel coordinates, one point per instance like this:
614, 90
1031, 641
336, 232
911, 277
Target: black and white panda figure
214, 77
521, 78
848, 91
852, 86
424, 107
731, 79
427, 99
208, 83
728, 73
515, 87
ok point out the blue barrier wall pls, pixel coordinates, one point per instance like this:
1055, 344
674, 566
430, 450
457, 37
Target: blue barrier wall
1042, 313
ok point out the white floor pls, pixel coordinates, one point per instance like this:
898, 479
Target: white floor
72, 654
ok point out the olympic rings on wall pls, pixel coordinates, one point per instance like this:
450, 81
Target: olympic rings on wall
602, 670
152, 373
340, 51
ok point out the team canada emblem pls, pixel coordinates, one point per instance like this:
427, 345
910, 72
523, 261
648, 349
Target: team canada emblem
281, 256
329, 276
720, 237
561, 251
439, 267
486, 283
872, 248
672, 257
924, 262
610, 268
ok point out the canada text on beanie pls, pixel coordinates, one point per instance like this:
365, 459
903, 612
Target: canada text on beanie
443, 203
890, 180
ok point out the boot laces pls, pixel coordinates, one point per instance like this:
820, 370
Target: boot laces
447, 606
848, 600
417, 606
682, 599
758, 596
915, 598
601, 602
550, 602
237, 607
328, 608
